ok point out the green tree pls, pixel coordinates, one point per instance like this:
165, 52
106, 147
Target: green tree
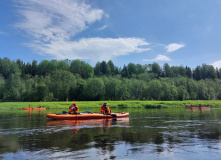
154, 89
2, 85
97, 69
202, 90
29, 91
53, 65
34, 68
138, 89
41, 92
211, 72
140, 69
165, 95
86, 70
112, 86
78, 91
155, 68
44, 68
166, 70
131, 68
61, 82
82, 68
8, 67
182, 93
110, 64
197, 73
182, 71
63, 65
95, 89
189, 72
75, 66
124, 72
13, 88
192, 89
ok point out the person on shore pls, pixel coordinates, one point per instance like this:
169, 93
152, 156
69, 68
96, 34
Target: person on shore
29, 106
200, 105
40, 106
73, 109
105, 109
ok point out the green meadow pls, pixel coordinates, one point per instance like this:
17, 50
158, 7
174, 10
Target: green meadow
112, 104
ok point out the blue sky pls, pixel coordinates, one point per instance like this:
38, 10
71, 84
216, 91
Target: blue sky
177, 32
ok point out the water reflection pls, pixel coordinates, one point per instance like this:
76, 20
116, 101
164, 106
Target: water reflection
104, 124
145, 134
205, 109
31, 111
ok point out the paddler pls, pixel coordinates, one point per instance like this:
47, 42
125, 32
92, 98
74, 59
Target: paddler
105, 109
73, 109
29, 106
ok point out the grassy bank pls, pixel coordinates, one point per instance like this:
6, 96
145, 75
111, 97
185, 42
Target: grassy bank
112, 104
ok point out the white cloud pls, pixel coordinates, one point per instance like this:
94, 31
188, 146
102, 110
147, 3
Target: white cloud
103, 27
217, 64
159, 57
174, 46
95, 49
53, 23
53, 20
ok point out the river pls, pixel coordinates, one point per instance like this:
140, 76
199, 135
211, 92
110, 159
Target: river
156, 134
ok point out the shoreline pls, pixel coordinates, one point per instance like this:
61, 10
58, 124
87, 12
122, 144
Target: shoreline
112, 104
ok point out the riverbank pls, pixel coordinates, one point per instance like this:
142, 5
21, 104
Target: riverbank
112, 104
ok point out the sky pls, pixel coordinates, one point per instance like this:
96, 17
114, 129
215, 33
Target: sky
177, 32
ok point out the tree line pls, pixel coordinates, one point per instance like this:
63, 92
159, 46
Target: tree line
76, 80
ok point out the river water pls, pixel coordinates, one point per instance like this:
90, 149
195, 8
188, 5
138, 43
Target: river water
156, 134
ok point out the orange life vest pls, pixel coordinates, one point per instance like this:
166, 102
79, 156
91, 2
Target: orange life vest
102, 109
70, 108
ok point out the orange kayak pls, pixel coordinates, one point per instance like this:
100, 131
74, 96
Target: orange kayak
34, 108
86, 116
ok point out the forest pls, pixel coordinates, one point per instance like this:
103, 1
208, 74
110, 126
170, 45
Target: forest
69, 80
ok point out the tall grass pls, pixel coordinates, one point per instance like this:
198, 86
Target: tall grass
112, 104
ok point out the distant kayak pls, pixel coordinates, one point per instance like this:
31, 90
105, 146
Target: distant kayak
34, 108
86, 116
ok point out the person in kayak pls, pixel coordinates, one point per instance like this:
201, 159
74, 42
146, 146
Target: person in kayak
40, 106
29, 106
105, 109
73, 109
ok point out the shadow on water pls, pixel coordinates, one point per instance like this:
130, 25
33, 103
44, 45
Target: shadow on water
153, 133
